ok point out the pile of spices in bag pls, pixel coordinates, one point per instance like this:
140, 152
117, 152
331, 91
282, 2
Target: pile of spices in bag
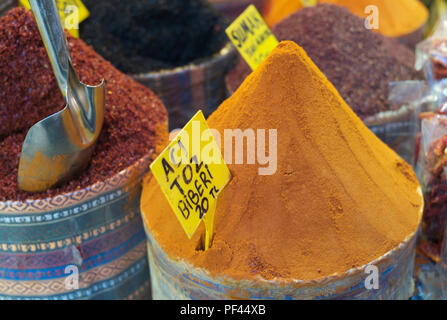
396, 18
142, 36
431, 54
359, 63
433, 161
438, 59
29, 93
339, 198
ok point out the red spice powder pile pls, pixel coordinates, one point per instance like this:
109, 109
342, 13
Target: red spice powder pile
29, 93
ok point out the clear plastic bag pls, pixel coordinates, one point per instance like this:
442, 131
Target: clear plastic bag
433, 162
431, 54
408, 99
432, 165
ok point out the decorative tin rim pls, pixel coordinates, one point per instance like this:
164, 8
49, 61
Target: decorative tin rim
300, 283
205, 63
76, 196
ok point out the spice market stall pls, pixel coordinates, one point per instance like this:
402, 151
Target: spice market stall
318, 126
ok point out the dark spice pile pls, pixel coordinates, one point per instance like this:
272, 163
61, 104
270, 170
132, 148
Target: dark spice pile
29, 93
360, 63
141, 36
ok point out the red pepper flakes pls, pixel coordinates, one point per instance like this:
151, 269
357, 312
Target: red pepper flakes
29, 93
435, 187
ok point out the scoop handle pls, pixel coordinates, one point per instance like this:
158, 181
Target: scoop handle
48, 20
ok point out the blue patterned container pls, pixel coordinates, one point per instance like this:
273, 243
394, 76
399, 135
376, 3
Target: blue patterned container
88, 244
186, 90
177, 279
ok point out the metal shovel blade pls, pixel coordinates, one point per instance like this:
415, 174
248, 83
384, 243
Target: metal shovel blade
60, 146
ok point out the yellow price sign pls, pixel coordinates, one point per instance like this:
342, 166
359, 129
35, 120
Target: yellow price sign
191, 173
252, 37
72, 13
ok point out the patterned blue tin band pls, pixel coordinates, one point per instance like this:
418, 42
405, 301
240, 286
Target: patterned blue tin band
176, 279
90, 263
119, 287
97, 231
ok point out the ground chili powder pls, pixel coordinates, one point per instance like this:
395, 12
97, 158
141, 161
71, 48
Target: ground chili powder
339, 199
141, 36
29, 93
360, 63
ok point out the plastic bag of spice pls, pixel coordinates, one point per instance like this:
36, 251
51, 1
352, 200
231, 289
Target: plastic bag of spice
433, 163
431, 271
431, 54
407, 100
398, 127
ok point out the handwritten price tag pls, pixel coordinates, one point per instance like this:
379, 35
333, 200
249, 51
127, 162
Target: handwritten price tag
252, 37
72, 13
191, 173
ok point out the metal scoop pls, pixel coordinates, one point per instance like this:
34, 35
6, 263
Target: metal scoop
60, 146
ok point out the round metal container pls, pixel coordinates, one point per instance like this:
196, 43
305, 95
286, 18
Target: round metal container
397, 129
6, 5
177, 279
88, 244
185, 90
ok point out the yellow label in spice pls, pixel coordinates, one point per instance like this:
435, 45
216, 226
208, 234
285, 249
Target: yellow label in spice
252, 37
72, 13
191, 173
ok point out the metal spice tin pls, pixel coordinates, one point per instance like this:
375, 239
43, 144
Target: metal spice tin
185, 90
96, 231
177, 279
